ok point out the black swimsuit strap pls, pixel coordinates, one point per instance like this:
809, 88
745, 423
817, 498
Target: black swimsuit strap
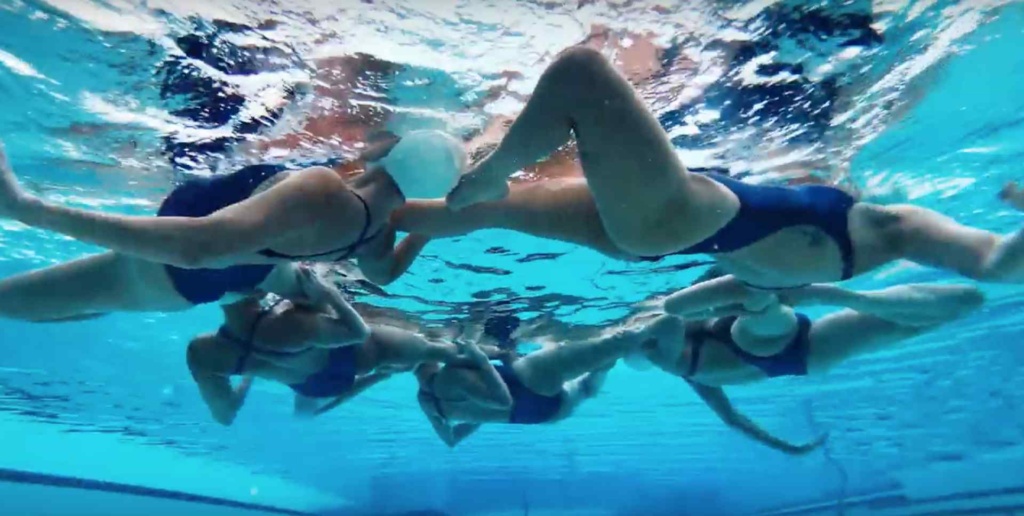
719, 329
696, 346
347, 251
362, 234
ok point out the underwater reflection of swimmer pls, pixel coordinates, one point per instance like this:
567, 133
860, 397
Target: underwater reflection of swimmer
720, 332
228, 234
649, 205
307, 347
200, 81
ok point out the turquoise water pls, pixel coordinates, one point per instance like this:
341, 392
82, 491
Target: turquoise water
931, 425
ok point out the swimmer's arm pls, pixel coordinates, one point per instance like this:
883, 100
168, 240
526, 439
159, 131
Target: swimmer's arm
244, 228
343, 326
716, 399
210, 366
492, 352
390, 261
701, 299
449, 434
223, 400
462, 431
497, 394
360, 386
823, 294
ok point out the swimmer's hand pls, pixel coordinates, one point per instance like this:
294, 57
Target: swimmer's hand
759, 300
12, 196
317, 291
472, 351
226, 413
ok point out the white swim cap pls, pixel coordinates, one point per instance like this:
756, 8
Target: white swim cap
426, 164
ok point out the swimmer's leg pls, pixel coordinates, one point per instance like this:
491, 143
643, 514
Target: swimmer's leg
581, 389
546, 371
929, 238
87, 288
398, 349
647, 200
557, 209
912, 304
849, 333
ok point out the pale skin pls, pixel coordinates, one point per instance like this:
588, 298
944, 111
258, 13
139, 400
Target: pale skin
305, 212
648, 204
470, 397
766, 324
291, 343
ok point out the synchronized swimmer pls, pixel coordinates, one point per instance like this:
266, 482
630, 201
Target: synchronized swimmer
236, 238
648, 205
229, 234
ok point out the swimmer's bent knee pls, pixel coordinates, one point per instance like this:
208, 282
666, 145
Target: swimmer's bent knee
579, 64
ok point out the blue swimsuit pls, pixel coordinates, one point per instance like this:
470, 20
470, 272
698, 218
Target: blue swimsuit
200, 197
765, 210
791, 361
528, 407
335, 379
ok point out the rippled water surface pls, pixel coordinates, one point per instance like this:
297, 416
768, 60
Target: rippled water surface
905, 101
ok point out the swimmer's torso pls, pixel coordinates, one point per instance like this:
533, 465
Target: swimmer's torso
777, 236
717, 365
339, 226
792, 257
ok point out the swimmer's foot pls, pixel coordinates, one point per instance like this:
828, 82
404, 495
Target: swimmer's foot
11, 195
1013, 195
476, 187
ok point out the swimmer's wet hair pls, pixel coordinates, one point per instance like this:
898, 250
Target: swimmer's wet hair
501, 327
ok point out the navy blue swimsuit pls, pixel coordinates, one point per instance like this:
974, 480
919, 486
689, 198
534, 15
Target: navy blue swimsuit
528, 407
766, 210
200, 197
791, 361
335, 379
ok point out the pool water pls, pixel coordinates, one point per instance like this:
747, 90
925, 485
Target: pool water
99, 412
